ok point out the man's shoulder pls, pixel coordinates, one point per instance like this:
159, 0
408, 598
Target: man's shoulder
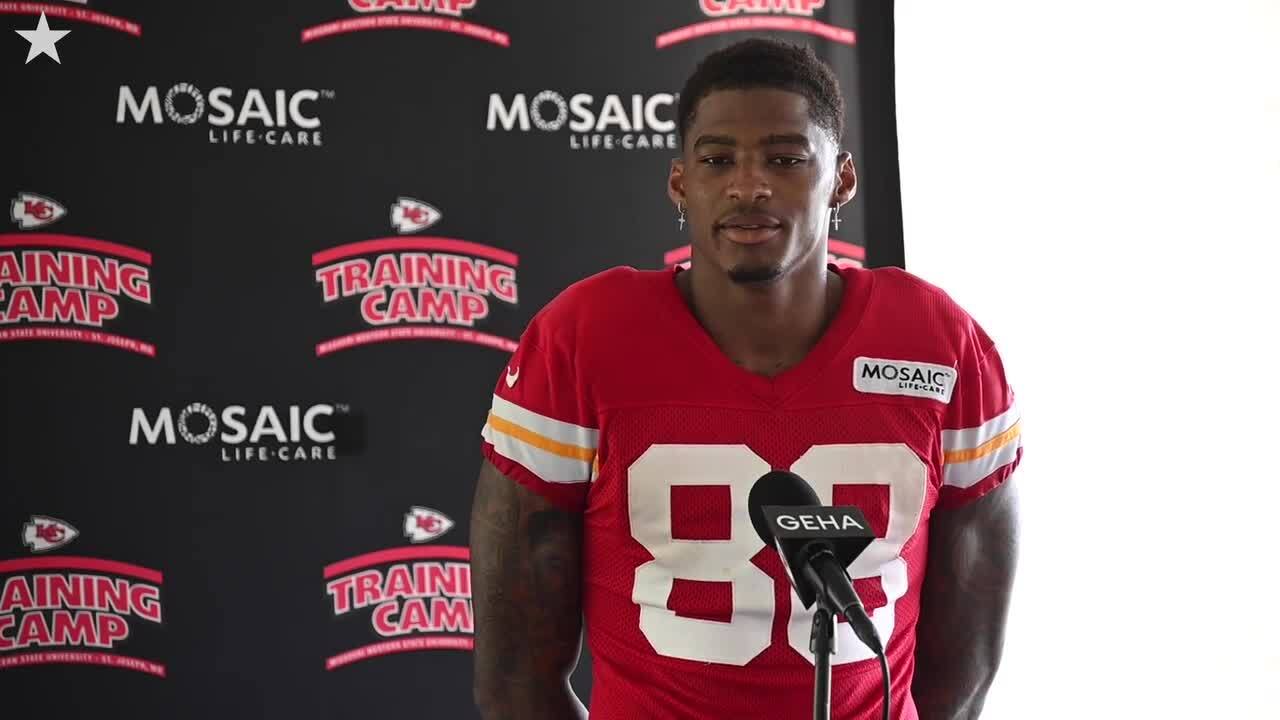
904, 305
904, 284
619, 281
903, 293
604, 297
603, 294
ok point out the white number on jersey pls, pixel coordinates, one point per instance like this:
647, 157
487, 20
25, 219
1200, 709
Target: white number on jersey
746, 635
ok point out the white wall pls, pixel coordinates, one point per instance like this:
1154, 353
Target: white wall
1098, 183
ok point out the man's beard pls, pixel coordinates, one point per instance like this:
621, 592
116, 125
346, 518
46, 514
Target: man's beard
755, 275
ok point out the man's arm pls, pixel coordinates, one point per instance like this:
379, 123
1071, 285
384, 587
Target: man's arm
526, 584
964, 603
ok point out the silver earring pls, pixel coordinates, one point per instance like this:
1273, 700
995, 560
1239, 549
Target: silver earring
835, 217
681, 218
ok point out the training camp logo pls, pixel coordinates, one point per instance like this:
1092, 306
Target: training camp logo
729, 16
413, 287
234, 117
295, 433
67, 287
62, 609
417, 597
594, 122
437, 15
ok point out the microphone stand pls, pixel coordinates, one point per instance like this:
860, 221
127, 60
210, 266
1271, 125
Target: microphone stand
821, 641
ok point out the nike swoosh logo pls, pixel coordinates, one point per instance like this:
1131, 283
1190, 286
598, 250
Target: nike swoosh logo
512, 376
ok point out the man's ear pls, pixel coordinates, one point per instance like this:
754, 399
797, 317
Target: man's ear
846, 179
675, 182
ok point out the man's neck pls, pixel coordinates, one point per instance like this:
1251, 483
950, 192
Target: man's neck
765, 328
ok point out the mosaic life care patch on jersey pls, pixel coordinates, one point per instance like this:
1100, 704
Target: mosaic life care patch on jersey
903, 377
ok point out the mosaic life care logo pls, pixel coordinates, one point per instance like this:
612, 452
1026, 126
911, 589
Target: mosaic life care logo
730, 16
68, 287
252, 116
437, 15
589, 121
414, 287
416, 597
59, 609
294, 433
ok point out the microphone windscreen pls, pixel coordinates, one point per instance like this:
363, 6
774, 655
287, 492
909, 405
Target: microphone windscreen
777, 487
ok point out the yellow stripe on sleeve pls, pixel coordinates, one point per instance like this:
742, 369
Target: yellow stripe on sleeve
542, 442
986, 448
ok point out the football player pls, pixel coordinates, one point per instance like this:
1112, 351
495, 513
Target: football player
640, 407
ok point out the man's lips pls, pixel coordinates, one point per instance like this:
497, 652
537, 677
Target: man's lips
750, 229
750, 222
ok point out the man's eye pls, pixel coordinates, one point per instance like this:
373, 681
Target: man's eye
786, 161
716, 160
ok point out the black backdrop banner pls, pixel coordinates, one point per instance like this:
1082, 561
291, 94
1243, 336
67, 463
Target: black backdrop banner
261, 264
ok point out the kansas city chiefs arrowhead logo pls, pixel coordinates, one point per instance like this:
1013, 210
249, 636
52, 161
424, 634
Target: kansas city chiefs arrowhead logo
409, 215
47, 533
32, 211
422, 524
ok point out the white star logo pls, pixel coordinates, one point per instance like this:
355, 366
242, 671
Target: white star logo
43, 40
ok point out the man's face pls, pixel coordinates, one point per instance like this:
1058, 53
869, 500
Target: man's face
757, 177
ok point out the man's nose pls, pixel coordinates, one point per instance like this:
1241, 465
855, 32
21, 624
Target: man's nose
748, 181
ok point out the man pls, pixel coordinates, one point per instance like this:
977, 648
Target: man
640, 407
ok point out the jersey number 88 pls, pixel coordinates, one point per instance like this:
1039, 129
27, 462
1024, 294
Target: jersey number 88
747, 633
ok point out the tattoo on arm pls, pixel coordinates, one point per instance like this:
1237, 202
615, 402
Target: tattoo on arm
964, 604
526, 586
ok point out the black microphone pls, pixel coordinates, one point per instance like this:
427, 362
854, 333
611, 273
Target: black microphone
817, 542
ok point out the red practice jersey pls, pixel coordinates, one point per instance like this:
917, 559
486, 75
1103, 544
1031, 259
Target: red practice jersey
618, 405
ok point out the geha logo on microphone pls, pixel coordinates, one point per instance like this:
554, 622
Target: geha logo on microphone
832, 521
816, 521
265, 434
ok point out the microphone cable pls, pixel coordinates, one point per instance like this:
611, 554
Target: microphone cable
855, 609
884, 674
884, 666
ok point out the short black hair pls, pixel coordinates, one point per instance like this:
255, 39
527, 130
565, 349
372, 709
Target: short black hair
767, 63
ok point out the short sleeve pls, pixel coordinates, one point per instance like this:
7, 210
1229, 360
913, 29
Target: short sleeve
541, 430
982, 429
